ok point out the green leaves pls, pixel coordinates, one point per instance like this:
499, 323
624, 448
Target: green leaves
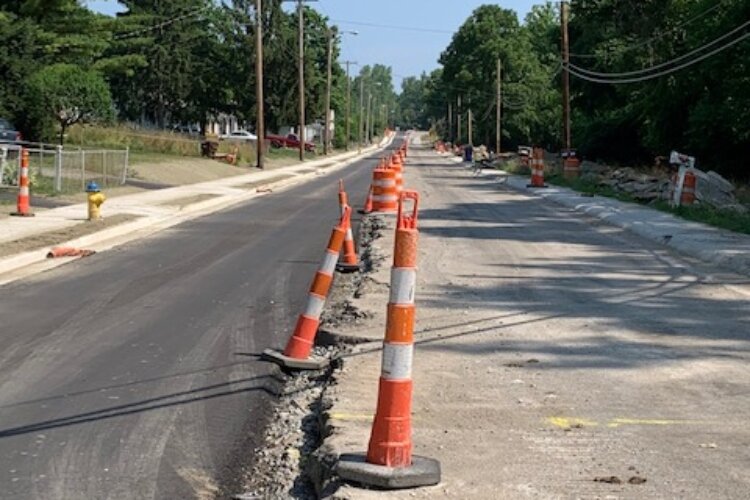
69, 95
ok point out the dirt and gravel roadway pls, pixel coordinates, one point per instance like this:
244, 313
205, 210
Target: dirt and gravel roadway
556, 356
133, 373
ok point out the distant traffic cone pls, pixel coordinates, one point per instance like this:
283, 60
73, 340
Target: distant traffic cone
397, 165
389, 462
296, 355
23, 205
350, 262
537, 168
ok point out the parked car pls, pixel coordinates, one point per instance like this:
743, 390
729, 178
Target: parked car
8, 132
239, 135
289, 141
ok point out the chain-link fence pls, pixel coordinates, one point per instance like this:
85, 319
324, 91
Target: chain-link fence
59, 170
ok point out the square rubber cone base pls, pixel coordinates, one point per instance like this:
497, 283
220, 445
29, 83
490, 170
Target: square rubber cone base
349, 268
310, 363
22, 214
355, 468
536, 187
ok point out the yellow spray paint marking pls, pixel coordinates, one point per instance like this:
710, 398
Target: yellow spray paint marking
568, 422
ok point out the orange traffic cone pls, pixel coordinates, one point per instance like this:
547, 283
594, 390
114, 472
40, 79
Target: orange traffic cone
350, 262
23, 205
389, 462
296, 355
368, 203
57, 252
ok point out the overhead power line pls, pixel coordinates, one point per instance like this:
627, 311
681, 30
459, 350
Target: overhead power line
643, 43
666, 63
392, 27
574, 70
167, 22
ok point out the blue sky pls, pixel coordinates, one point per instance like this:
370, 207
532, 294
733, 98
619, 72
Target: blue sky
407, 52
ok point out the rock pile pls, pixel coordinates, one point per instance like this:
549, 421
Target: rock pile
711, 189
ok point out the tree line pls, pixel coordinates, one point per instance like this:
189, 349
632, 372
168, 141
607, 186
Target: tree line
630, 98
167, 63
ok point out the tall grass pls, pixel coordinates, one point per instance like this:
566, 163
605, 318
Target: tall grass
120, 136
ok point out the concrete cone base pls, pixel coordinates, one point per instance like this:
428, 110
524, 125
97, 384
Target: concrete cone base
349, 268
355, 468
310, 363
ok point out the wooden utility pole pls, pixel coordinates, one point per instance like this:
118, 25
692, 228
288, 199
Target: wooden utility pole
471, 131
564, 10
361, 110
369, 118
260, 122
301, 36
327, 133
348, 104
499, 104
450, 122
458, 113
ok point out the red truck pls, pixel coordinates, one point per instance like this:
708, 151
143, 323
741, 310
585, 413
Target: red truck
289, 141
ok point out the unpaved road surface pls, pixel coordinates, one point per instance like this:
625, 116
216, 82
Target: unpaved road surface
133, 373
558, 357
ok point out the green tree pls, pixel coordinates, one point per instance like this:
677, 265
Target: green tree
69, 95
470, 72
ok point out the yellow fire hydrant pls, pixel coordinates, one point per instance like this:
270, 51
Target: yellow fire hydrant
96, 198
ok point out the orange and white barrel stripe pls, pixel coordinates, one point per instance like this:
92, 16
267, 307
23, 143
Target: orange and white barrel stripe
537, 167
687, 197
384, 194
301, 343
23, 202
390, 441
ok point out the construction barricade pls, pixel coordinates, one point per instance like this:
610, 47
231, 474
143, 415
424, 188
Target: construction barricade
389, 462
296, 355
571, 164
537, 168
384, 189
684, 180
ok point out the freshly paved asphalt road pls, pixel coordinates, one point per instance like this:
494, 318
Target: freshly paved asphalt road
133, 373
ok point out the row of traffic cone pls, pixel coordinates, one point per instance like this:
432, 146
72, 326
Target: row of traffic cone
388, 462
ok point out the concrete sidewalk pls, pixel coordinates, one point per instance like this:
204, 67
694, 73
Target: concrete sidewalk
147, 212
556, 356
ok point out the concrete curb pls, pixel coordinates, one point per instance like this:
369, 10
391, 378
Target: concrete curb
709, 244
25, 264
720, 247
